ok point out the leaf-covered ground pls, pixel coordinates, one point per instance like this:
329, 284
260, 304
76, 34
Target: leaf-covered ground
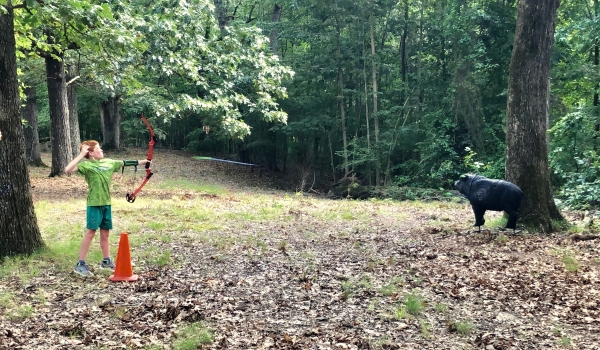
266, 269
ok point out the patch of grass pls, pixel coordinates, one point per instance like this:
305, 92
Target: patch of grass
575, 229
498, 222
179, 184
556, 331
563, 225
307, 255
13, 308
571, 264
464, 327
565, 341
365, 282
164, 258
347, 215
23, 312
425, 329
6, 300
502, 239
442, 308
61, 254
414, 304
348, 288
256, 241
400, 312
192, 215
223, 243
282, 245
388, 290
156, 226
193, 337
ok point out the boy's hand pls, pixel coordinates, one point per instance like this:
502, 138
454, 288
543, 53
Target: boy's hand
85, 149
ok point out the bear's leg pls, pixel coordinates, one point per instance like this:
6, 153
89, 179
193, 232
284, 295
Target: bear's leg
479, 220
513, 215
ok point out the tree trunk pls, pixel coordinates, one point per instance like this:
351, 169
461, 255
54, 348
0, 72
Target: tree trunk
221, 14
73, 113
32, 137
275, 33
110, 118
19, 233
374, 76
341, 102
596, 96
271, 151
404, 64
59, 113
526, 148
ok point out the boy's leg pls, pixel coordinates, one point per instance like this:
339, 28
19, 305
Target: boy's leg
92, 221
85, 243
105, 227
104, 245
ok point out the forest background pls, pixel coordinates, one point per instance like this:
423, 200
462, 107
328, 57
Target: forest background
390, 93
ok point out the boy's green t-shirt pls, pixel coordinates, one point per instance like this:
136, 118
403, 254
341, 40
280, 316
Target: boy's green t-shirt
98, 174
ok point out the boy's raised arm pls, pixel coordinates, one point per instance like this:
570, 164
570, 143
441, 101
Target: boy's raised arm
72, 166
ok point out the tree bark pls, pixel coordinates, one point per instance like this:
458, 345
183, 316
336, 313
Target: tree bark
526, 148
19, 233
341, 102
32, 137
368, 126
271, 151
404, 64
222, 17
275, 33
73, 113
374, 76
110, 118
59, 112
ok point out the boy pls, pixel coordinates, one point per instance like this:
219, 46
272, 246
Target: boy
98, 174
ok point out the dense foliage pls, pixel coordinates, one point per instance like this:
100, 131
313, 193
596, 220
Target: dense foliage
405, 93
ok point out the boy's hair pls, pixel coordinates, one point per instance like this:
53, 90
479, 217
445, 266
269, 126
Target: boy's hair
92, 144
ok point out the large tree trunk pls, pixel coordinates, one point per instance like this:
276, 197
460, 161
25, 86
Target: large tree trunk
110, 117
19, 233
73, 113
59, 113
32, 137
526, 148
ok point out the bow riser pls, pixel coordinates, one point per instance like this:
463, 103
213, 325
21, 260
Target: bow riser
131, 197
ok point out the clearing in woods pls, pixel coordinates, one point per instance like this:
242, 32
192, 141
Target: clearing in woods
226, 262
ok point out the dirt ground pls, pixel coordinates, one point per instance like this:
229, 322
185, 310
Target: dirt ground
302, 282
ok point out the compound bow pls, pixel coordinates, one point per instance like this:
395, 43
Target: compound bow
131, 197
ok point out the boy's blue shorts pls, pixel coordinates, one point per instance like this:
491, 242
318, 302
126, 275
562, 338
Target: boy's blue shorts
99, 216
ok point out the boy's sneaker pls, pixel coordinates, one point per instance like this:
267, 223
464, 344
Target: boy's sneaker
83, 270
107, 264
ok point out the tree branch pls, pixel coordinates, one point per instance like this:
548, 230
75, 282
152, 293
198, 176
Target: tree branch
72, 80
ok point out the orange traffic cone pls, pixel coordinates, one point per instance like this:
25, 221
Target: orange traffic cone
123, 269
